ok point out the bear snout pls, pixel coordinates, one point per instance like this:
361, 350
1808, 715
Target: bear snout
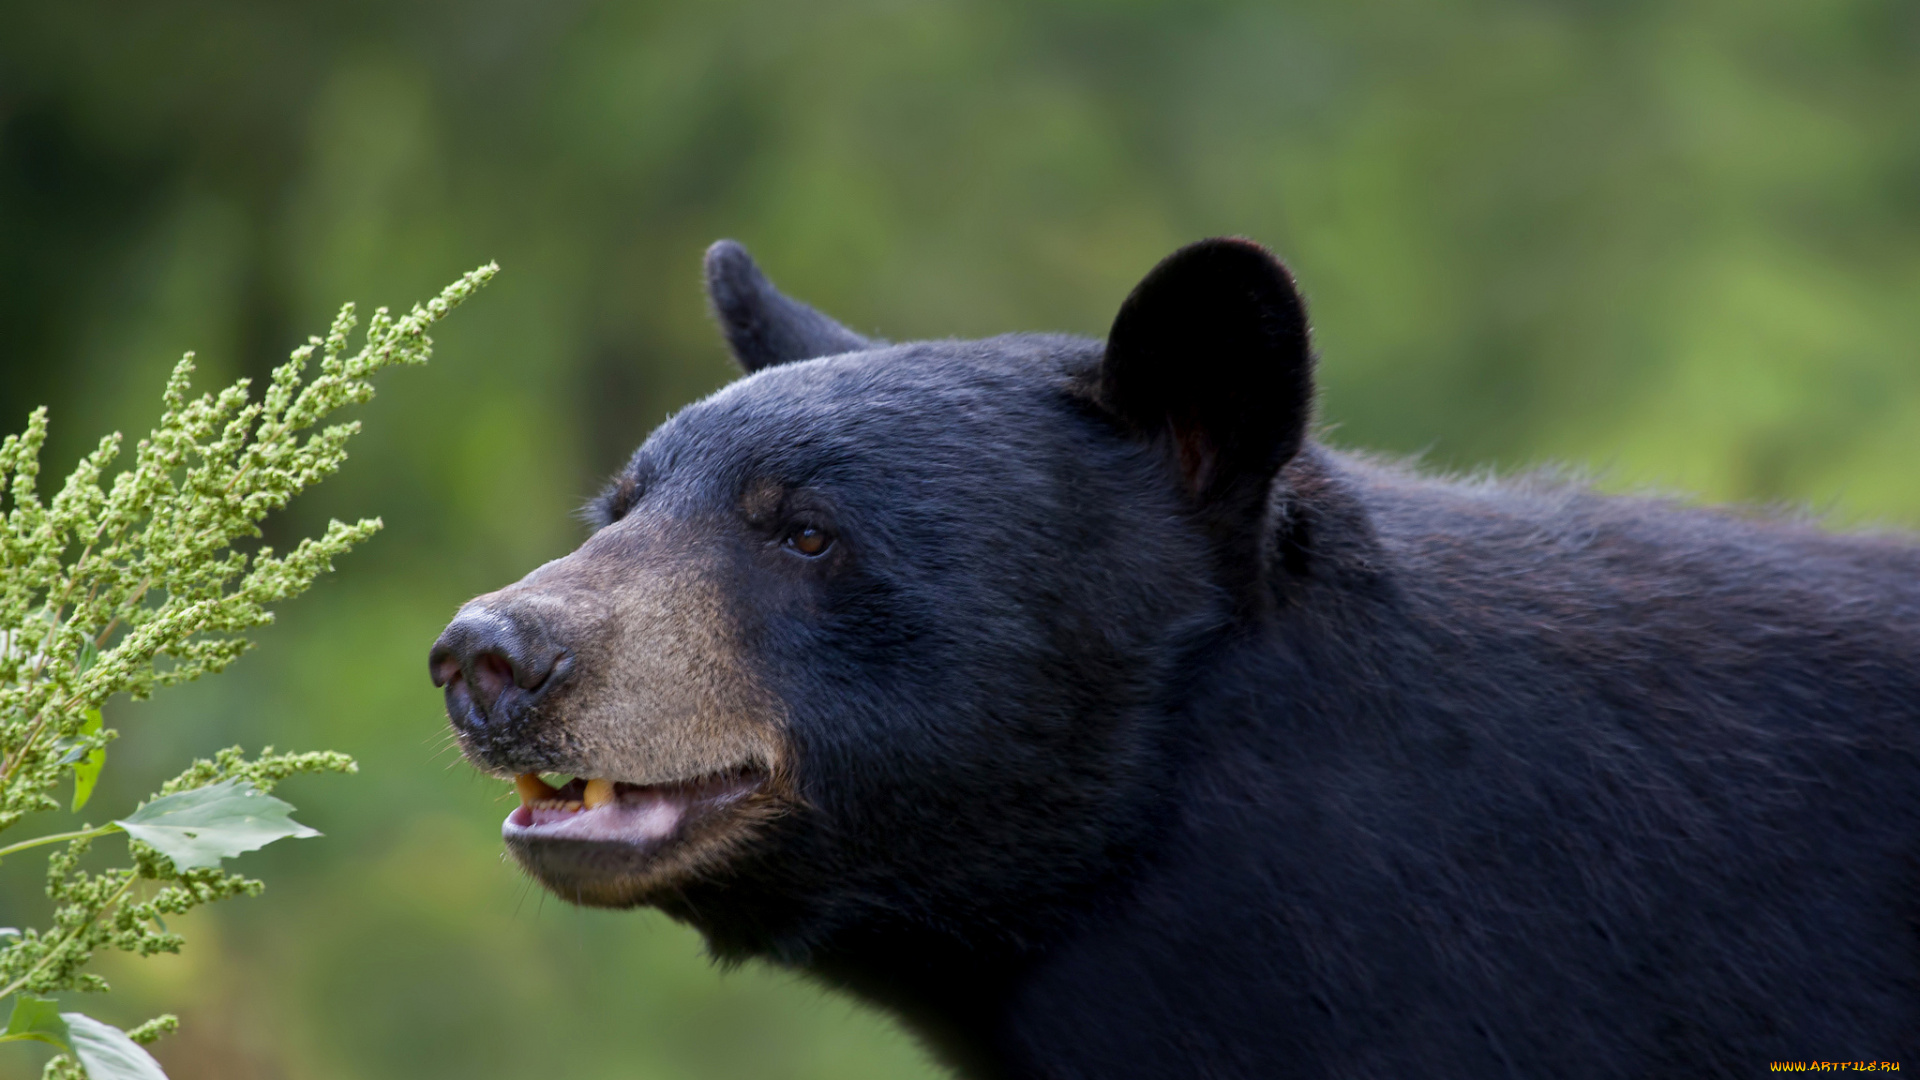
495, 665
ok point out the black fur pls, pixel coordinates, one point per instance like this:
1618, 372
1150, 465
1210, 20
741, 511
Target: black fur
1366, 774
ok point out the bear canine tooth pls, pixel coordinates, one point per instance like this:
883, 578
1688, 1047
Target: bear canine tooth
532, 789
598, 793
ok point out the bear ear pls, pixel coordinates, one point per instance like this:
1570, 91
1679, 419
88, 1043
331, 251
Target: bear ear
764, 328
1209, 357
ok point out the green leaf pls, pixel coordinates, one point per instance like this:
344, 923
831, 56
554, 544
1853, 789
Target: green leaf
37, 1019
200, 827
107, 1052
86, 772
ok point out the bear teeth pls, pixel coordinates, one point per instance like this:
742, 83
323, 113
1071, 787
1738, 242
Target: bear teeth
537, 794
532, 789
598, 793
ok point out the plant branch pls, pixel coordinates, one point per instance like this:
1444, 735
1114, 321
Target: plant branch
55, 838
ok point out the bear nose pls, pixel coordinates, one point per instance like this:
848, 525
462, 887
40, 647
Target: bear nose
493, 665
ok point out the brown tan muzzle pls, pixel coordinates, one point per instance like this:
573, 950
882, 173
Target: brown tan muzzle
629, 677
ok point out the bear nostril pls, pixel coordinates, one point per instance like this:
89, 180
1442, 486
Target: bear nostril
492, 674
484, 655
460, 704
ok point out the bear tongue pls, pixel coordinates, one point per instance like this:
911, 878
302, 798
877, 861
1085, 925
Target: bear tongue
642, 817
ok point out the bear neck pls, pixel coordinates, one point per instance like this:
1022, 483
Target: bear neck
1317, 557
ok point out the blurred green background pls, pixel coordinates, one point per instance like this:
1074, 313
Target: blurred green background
1679, 244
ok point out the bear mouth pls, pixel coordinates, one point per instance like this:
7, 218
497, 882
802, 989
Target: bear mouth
636, 816
609, 843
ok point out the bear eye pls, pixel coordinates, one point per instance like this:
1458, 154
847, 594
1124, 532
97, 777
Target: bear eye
809, 541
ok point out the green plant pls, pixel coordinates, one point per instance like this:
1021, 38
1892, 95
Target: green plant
138, 585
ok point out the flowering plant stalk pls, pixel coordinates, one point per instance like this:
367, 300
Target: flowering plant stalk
130, 586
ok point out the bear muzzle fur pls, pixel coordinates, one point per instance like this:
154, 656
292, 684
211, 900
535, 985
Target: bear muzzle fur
621, 666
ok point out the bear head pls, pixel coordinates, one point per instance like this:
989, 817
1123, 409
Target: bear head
886, 635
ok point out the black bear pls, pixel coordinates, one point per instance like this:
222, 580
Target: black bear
1069, 700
